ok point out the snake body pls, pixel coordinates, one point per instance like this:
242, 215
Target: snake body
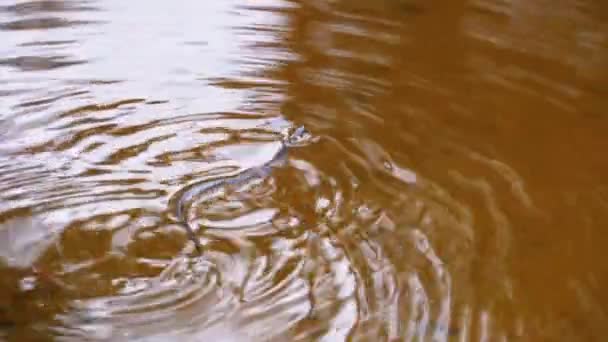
210, 186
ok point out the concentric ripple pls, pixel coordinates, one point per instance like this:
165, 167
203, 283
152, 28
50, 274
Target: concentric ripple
448, 194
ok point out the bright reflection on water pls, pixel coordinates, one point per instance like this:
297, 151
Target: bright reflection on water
453, 189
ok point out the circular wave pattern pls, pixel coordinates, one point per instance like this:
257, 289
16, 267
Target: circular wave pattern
399, 223
294, 255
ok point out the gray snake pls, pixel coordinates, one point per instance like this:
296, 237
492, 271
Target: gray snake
209, 186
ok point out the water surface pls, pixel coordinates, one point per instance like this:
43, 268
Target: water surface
455, 190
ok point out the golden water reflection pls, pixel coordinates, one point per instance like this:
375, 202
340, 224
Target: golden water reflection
454, 190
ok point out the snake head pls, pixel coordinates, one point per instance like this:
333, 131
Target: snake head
299, 136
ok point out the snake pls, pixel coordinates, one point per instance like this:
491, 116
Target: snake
210, 186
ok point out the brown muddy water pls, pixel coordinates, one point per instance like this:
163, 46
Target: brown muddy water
453, 187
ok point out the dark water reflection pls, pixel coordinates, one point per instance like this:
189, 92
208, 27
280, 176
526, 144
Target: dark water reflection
455, 191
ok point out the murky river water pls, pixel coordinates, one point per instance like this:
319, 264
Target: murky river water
453, 187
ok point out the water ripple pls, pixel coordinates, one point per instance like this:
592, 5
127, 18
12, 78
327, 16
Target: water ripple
428, 206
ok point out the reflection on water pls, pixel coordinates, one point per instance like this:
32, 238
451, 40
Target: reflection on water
454, 190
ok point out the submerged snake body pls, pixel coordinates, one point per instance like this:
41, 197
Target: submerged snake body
208, 187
